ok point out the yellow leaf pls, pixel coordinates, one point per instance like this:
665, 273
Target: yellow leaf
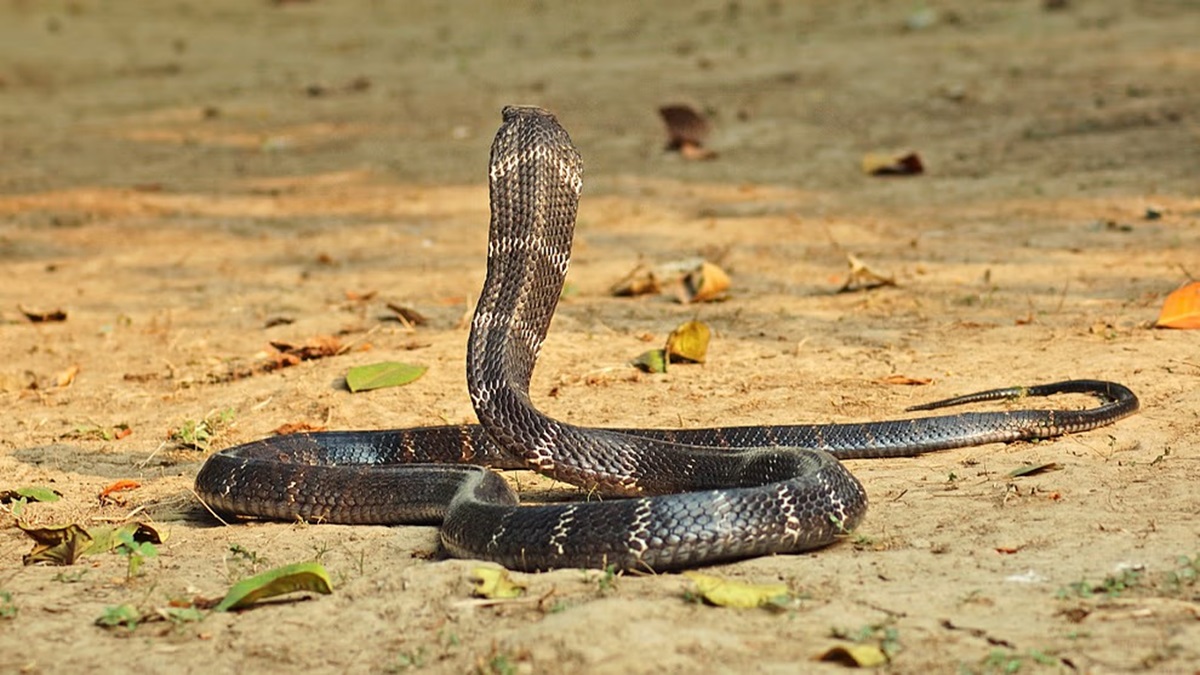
858, 656
725, 593
1181, 309
495, 584
688, 342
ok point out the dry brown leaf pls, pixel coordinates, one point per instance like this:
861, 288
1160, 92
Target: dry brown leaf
903, 164
407, 315
863, 277
66, 377
640, 281
685, 125
708, 282
906, 380
696, 153
43, 317
297, 428
1181, 309
687, 130
314, 348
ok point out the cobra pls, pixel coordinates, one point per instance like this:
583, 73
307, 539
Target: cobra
656, 499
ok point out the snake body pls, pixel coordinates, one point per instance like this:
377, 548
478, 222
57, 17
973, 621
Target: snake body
658, 499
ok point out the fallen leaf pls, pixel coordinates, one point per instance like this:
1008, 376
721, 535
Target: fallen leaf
305, 576
905, 380
687, 130
119, 486
495, 583
707, 282
640, 281
66, 377
1181, 309
56, 545
408, 316
688, 343
43, 317
1033, 469
107, 538
725, 593
696, 153
33, 493
355, 296
297, 428
863, 277
904, 164
314, 348
652, 361
855, 656
380, 375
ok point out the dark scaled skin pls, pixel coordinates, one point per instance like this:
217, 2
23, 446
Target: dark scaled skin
656, 500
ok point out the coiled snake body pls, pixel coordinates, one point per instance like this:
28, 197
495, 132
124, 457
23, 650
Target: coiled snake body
694, 497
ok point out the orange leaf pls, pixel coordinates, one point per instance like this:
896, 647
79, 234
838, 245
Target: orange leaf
119, 486
1181, 309
905, 380
297, 428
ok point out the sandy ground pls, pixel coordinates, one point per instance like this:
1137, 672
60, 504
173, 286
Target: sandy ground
176, 176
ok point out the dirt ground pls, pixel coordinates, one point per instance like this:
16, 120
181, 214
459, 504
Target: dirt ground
177, 177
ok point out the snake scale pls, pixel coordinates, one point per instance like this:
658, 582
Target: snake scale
657, 499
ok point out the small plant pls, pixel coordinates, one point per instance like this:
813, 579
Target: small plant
1008, 661
8, 608
840, 524
119, 615
414, 658
1185, 575
135, 552
92, 431
1112, 586
499, 664
70, 577
251, 558
607, 581
182, 614
199, 435
882, 634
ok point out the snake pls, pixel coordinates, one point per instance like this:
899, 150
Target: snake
653, 500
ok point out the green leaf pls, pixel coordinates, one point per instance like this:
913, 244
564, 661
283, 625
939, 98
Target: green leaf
305, 576
380, 375
33, 493
653, 361
131, 535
